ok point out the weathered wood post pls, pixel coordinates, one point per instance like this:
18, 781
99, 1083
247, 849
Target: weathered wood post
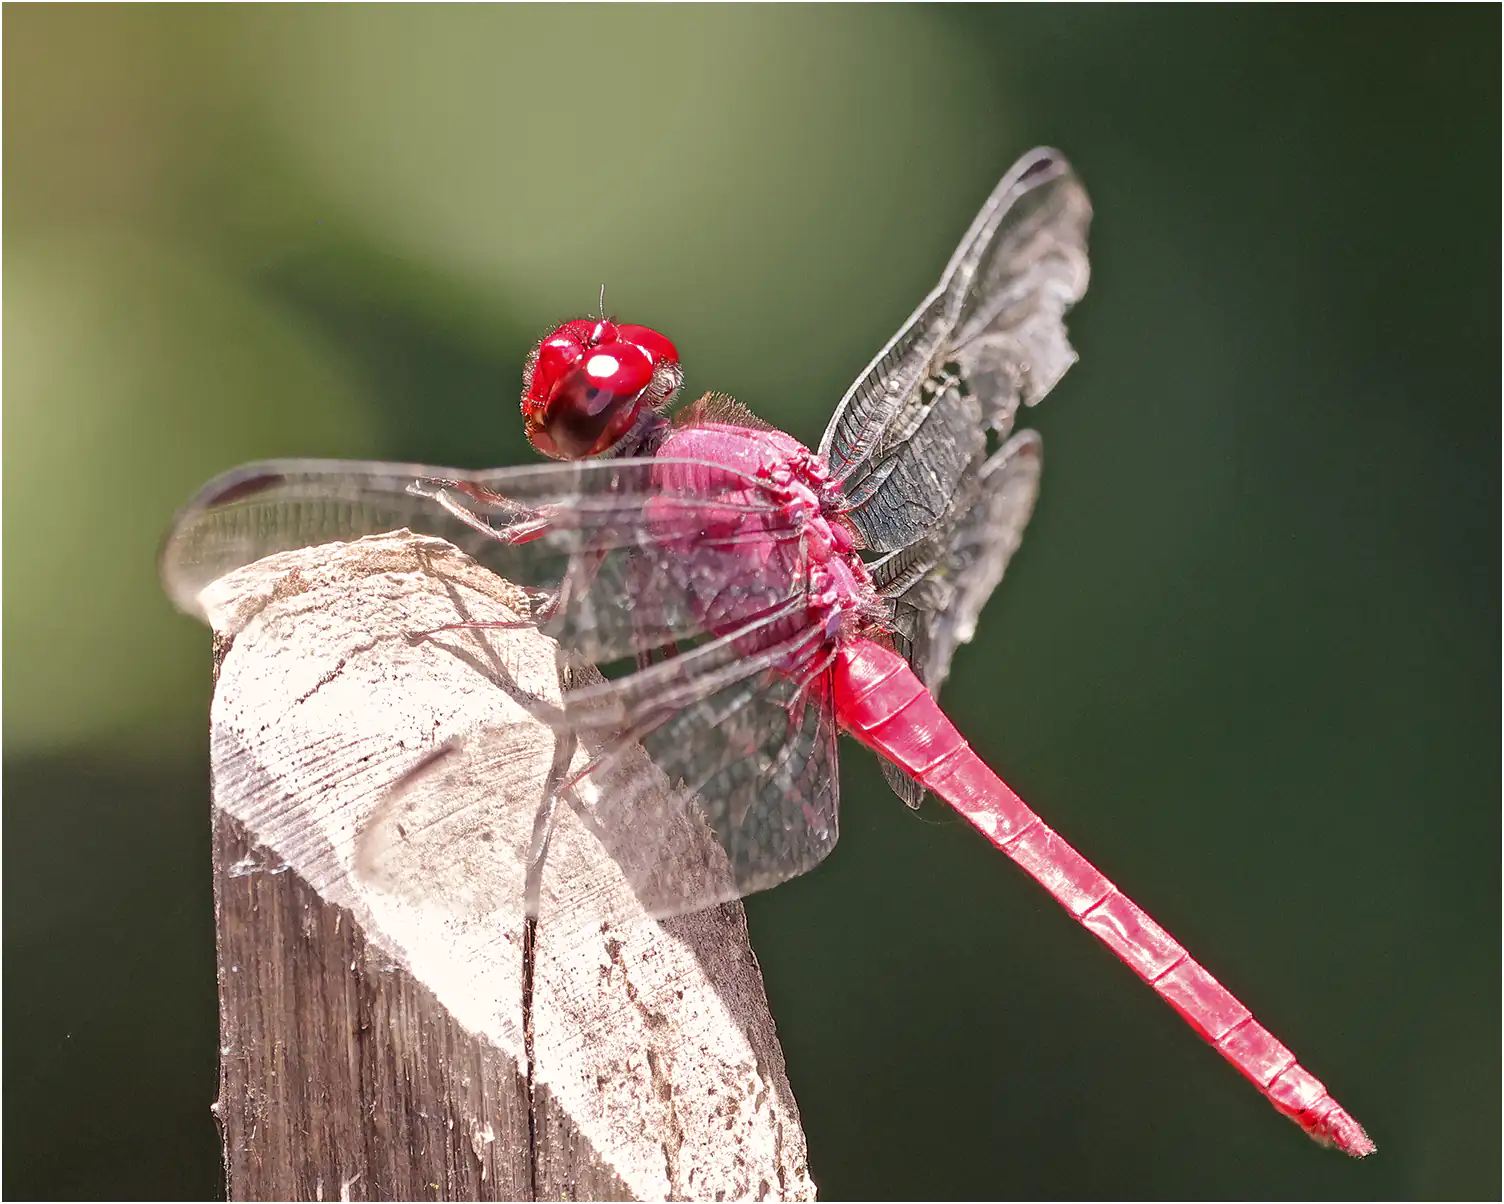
377, 1048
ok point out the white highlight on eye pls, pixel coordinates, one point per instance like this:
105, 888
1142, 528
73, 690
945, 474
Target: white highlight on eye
602, 365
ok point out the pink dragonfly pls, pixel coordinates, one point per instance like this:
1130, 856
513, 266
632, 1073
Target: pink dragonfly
759, 597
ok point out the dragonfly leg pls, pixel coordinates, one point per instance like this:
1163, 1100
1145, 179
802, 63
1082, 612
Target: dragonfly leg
522, 530
474, 625
565, 744
619, 744
543, 824
663, 710
815, 670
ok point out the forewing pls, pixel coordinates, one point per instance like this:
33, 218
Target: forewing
908, 439
273, 506
601, 545
906, 488
856, 428
990, 337
1010, 337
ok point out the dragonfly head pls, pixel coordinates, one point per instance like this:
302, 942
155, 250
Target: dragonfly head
587, 382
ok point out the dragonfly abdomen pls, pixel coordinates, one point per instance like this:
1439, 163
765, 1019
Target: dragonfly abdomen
881, 702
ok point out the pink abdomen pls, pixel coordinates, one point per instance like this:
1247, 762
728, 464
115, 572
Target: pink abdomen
882, 703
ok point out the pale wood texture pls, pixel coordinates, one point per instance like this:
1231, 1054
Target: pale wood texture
372, 1015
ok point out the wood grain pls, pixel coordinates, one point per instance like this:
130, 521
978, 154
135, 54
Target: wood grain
373, 1026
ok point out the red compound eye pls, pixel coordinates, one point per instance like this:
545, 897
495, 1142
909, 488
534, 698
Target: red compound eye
587, 382
620, 368
595, 403
657, 347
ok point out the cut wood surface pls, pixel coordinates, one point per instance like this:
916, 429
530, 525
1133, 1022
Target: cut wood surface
373, 1022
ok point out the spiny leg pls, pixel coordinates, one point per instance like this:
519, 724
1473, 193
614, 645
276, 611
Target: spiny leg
565, 744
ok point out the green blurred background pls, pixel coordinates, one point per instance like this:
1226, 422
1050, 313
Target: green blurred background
1247, 659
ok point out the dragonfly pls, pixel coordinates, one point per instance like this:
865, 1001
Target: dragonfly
751, 598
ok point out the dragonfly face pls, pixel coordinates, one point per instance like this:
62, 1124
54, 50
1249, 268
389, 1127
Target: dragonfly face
587, 383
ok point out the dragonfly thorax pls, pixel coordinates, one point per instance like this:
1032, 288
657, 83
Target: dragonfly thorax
782, 514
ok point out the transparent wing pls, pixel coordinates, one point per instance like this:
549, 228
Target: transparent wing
621, 556
909, 439
989, 338
700, 782
938, 585
753, 761
704, 776
906, 490
1010, 337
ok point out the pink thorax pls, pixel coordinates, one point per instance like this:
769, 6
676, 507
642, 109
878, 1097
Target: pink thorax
787, 489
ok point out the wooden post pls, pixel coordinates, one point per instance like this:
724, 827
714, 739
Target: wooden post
377, 1047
